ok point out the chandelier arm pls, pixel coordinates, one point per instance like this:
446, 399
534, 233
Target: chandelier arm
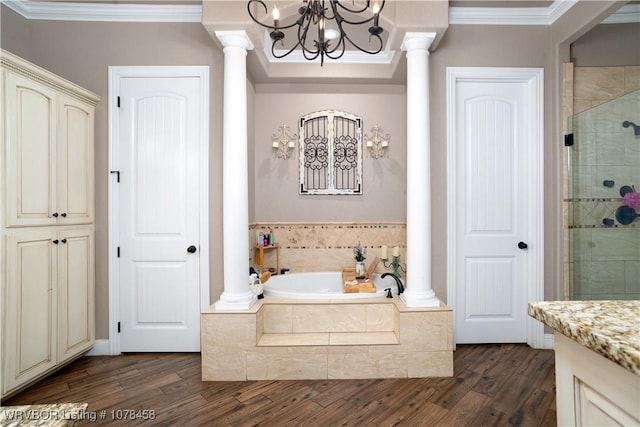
372, 52
257, 21
275, 55
348, 9
329, 53
302, 39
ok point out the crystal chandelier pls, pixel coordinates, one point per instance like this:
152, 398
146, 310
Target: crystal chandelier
328, 26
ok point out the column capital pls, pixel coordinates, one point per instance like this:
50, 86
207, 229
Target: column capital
238, 38
413, 41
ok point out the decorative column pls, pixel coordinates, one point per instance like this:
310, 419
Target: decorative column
235, 174
419, 292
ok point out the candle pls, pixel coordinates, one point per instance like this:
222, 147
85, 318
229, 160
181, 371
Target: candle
376, 12
369, 143
383, 252
276, 17
275, 144
396, 251
292, 144
385, 143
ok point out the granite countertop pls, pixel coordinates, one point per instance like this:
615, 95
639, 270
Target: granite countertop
49, 415
610, 328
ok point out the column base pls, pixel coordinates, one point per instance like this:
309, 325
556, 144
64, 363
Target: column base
420, 299
243, 301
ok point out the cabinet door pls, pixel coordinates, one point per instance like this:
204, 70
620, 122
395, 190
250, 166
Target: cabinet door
30, 134
75, 161
29, 306
76, 332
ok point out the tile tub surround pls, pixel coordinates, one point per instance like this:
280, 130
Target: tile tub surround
609, 328
310, 247
282, 339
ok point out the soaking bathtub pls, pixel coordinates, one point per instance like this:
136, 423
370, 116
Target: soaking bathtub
321, 286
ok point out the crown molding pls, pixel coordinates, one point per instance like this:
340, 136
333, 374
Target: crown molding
106, 12
509, 15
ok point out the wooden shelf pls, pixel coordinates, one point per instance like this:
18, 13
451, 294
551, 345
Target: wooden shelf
260, 250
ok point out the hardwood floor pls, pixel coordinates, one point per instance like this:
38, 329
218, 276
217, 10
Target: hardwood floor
494, 385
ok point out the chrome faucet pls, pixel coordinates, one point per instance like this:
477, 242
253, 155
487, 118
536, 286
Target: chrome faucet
397, 279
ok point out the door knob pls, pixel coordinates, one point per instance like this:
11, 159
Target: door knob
523, 245
191, 249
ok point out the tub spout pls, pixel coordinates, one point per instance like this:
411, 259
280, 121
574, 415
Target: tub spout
397, 279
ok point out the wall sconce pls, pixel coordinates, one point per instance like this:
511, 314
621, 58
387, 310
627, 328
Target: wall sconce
377, 144
283, 143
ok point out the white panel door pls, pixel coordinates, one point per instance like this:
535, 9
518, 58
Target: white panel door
492, 209
159, 145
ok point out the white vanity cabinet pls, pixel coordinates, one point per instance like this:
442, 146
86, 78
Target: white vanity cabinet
46, 222
597, 364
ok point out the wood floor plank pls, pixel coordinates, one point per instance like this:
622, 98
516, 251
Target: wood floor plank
465, 413
493, 385
449, 396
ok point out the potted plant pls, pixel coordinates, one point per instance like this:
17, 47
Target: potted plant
359, 254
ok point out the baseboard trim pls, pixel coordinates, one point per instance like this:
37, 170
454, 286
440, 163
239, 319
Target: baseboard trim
100, 348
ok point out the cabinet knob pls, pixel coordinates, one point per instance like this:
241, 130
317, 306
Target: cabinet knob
55, 214
55, 242
63, 240
63, 214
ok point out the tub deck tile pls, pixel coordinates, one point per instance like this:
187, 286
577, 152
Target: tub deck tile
363, 338
282, 340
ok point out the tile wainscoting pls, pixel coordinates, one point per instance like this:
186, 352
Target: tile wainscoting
309, 247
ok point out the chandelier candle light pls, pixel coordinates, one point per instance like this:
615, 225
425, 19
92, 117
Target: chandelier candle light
331, 24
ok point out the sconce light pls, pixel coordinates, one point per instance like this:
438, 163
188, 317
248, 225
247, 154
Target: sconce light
377, 144
283, 143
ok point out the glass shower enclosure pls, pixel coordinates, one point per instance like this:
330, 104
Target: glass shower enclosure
604, 201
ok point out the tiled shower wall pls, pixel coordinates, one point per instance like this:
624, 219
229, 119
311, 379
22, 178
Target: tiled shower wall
601, 261
327, 246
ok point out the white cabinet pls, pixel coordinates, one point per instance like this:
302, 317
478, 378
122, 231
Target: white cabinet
46, 222
29, 322
49, 301
49, 145
75, 288
591, 390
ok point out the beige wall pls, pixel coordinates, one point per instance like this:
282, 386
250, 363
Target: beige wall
276, 181
608, 45
490, 46
82, 52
